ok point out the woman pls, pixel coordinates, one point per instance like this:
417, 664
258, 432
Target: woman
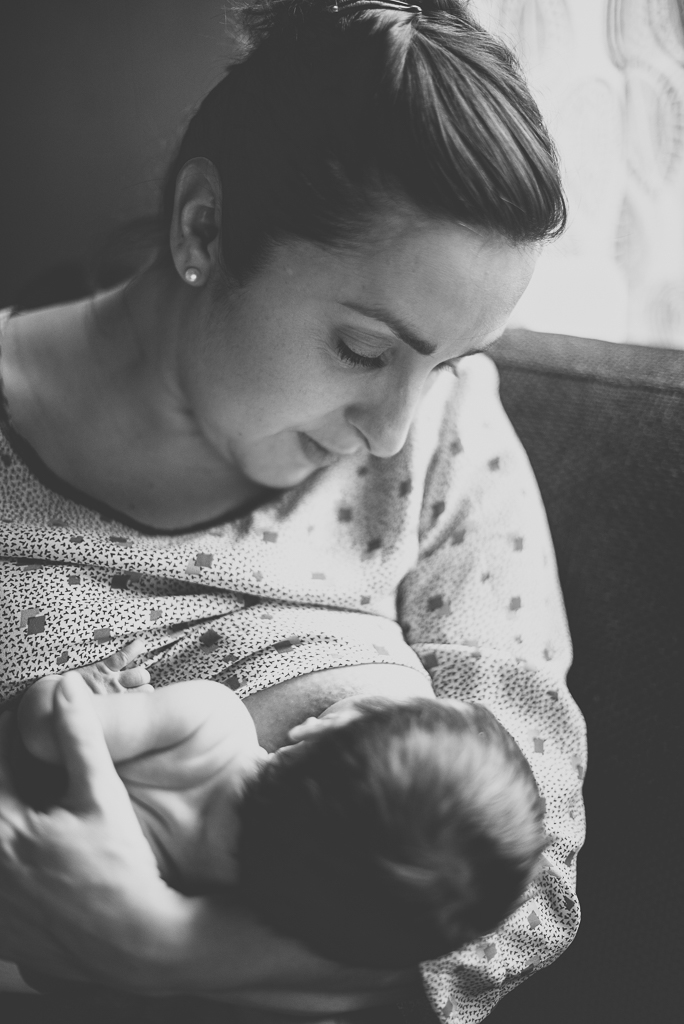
249, 458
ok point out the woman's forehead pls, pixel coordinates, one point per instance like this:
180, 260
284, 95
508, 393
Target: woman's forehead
399, 248
433, 277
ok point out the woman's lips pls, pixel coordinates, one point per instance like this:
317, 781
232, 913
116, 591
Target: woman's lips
315, 452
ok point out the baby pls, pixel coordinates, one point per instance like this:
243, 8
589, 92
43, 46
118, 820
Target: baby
387, 834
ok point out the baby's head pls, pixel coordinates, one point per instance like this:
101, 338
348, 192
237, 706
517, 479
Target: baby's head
393, 834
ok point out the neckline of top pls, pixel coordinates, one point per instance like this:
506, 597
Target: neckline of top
32, 461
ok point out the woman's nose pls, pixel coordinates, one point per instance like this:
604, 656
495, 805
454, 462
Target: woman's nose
385, 425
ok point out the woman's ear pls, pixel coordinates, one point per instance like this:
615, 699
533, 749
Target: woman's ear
196, 220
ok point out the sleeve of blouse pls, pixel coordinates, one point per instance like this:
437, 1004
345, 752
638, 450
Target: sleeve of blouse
483, 611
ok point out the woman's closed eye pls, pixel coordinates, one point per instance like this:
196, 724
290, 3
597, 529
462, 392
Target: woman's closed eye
451, 366
353, 358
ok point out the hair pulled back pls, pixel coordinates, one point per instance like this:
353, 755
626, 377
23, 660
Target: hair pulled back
329, 115
395, 838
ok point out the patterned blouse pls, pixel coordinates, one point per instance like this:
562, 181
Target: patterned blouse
438, 558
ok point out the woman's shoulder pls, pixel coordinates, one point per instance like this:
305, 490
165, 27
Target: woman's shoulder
453, 397
455, 407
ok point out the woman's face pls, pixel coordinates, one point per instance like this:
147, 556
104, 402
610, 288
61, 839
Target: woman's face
324, 354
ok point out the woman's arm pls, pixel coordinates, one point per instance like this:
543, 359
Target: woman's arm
483, 610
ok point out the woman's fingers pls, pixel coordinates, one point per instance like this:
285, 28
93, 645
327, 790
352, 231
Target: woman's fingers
22, 924
93, 781
8, 796
79, 884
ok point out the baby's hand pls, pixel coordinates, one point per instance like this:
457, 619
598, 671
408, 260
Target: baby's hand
342, 712
338, 714
35, 716
112, 675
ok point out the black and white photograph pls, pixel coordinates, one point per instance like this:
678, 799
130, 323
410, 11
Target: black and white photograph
341, 511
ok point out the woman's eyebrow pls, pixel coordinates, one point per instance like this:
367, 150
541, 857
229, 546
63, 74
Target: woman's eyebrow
403, 330
408, 334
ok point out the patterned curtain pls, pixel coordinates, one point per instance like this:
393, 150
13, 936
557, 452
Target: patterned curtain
609, 78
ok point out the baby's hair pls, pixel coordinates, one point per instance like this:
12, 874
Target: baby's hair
329, 117
395, 838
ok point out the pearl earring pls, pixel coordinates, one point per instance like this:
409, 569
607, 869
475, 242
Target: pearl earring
192, 275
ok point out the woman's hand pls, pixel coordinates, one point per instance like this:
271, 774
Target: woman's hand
80, 894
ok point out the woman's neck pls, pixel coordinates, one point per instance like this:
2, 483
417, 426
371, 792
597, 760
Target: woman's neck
95, 388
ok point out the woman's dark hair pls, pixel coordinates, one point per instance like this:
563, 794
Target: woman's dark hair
330, 115
395, 838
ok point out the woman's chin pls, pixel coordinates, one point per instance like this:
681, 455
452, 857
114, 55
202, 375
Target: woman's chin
279, 477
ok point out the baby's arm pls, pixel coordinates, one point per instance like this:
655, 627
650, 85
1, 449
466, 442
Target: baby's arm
134, 722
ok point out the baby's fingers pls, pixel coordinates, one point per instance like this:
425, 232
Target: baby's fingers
118, 661
308, 728
135, 678
112, 674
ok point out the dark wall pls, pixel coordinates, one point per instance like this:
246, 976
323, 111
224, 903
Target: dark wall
93, 95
